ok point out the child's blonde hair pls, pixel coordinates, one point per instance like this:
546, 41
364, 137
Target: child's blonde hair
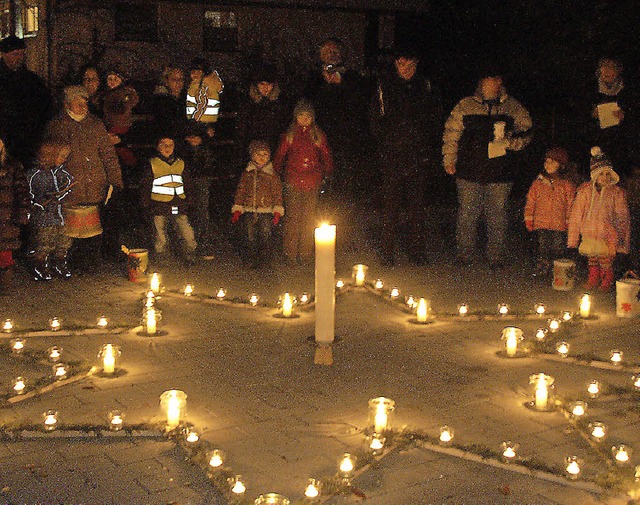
304, 106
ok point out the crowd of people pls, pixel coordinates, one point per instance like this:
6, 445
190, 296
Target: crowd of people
62, 177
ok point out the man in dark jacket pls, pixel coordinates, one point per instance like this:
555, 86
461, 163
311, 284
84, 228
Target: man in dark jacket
25, 101
480, 136
406, 121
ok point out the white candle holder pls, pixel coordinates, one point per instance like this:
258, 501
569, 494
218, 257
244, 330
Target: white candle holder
593, 389
19, 385
621, 454
150, 300
253, 299
509, 451
188, 290
512, 336
339, 284
174, 404
375, 444
272, 499
116, 420
578, 409
446, 436
7, 326
572, 467
635, 380
503, 309
238, 487
17, 345
60, 371
54, 353
541, 334
359, 274
463, 309
150, 321
109, 356
304, 298
542, 389
50, 420
411, 302
216, 459
287, 305
312, 491
597, 431
423, 312
221, 293
554, 325
540, 309
380, 411
55, 323
346, 467
616, 357
191, 436
585, 306
394, 293
562, 348
154, 283
102, 322
379, 285
567, 316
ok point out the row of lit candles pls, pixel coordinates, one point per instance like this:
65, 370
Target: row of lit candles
55, 324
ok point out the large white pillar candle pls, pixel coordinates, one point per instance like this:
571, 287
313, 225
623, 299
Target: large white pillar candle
325, 239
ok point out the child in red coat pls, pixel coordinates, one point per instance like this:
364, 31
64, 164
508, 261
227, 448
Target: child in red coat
304, 158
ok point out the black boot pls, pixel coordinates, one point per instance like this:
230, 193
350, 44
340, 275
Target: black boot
61, 267
41, 271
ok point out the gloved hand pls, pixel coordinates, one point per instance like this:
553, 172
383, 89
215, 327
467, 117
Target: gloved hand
236, 216
529, 225
276, 218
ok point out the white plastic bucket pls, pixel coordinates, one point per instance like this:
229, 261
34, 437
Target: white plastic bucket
564, 274
627, 304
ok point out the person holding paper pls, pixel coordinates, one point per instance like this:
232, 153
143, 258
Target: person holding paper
480, 136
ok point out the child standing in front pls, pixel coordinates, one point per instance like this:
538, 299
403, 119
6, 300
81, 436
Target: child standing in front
599, 223
49, 183
258, 203
546, 211
165, 197
304, 158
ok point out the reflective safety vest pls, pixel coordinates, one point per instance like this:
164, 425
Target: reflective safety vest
203, 99
167, 180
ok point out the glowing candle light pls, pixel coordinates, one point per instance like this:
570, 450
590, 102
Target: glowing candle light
304, 298
446, 435
567, 316
379, 411
151, 321
19, 385
54, 353
616, 357
325, 274
512, 337
313, 489
509, 451
339, 284
109, 353
585, 306
237, 485
192, 436
287, 305
150, 299
541, 334
636, 382
216, 458
503, 309
394, 293
540, 309
154, 283
379, 284
598, 431
347, 465
50, 420
359, 272
17, 345
593, 389
377, 444
411, 302
621, 454
572, 467
272, 499
116, 420
463, 309
7, 326
422, 312
188, 290
174, 403
55, 324
221, 294
253, 299
563, 349
554, 325
578, 409
541, 383
59, 371
102, 322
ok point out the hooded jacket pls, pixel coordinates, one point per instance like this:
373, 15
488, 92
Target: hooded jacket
470, 128
260, 191
549, 203
601, 215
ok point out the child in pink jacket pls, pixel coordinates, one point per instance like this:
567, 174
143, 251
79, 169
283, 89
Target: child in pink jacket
547, 209
600, 221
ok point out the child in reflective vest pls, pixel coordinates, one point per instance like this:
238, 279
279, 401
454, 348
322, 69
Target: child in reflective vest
164, 196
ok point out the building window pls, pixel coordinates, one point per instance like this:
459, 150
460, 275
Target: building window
136, 22
29, 20
5, 18
220, 31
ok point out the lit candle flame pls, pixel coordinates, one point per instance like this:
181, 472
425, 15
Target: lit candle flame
359, 275
423, 311
287, 305
463, 310
7, 326
102, 322
108, 359
221, 294
503, 309
585, 305
346, 464
395, 293
238, 486
154, 283
19, 385
216, 459
312, 490
188, 290
253, 300
379, 284
54, 324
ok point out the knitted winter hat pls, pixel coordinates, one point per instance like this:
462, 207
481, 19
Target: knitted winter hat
558, 154
600, 163
304, 106
258, 145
